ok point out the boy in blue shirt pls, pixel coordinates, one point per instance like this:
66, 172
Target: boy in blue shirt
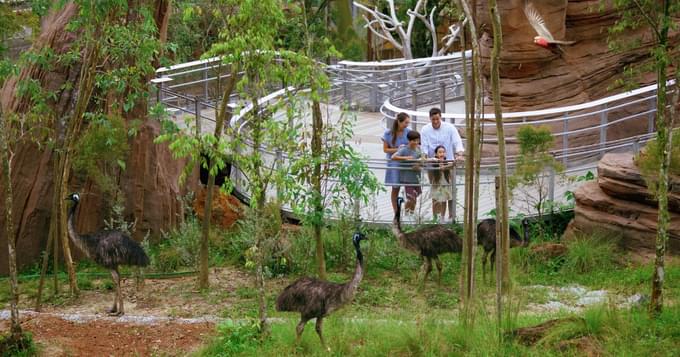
410, 177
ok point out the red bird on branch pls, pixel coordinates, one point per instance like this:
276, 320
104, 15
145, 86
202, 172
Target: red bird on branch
544, 39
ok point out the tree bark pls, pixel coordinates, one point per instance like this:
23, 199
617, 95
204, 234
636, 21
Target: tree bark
15, 326
473, 96
502, 217
663, 137
317, 129
223, 116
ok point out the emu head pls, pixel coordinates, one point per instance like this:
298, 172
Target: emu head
525, 230
358, 237
75, 197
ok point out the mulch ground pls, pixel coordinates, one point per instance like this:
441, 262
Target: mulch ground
58, 337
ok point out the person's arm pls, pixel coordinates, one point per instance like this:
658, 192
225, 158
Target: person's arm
458, 148
425, 141
387, 149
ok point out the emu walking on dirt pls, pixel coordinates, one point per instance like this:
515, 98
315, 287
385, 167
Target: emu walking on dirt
486, 237
108, 249
315, 298
429, 242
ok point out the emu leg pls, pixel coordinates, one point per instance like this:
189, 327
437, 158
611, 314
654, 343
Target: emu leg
484, 258
116, 278
319, 327
121, 311
493, 260
439, 270
427, 266
299, 330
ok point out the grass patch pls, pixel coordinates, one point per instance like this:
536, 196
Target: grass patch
22, 348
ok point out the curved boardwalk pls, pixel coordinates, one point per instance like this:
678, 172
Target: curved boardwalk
377, 91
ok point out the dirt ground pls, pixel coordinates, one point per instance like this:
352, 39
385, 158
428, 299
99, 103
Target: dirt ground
56, 336
165, 317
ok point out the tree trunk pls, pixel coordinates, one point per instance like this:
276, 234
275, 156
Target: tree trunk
223, 115
503, 215
15, 326
471, 174
663, 137
317, 130
469, 221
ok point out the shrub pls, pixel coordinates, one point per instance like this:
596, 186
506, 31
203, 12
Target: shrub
589, 253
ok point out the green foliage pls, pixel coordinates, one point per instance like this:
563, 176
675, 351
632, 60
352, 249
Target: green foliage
194, 28
588, 253
103, 147
340, 164
176, 249
649, 161
534, 156
533, 166
233, 338
25, 347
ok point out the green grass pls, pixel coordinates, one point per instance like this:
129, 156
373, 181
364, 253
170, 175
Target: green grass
614, 332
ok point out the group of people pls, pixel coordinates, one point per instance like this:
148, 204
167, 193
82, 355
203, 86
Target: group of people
435, 148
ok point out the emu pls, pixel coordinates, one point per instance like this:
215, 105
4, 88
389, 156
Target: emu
108, 249
429, 242
486, 237
314, 298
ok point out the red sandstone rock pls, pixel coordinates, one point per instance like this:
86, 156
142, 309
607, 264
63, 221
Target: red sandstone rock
636, 222
226, 209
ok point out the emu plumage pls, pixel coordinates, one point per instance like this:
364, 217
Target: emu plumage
315, 298
109, 249
428, 242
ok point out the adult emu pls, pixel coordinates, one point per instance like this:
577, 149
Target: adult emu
429, 242
486, 237
108, 249
314, 298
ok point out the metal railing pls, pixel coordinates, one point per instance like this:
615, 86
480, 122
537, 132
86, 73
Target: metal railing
583, 132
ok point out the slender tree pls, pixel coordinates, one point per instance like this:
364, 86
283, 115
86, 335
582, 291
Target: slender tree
658, 17
502, 217
5, 161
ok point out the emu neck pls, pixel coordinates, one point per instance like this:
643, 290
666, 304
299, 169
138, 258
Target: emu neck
356, 279
396, 224
79, 241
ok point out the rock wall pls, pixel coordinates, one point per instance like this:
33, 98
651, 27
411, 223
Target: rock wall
620, 202
535, 78
150, 182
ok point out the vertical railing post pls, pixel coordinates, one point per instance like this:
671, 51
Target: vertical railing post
278, 164
551, 184
651, 115
205, 81
197, 108
442, 96
636, 145
345, 90
603, 128
454, 191
414, 106
565, 139
374, 96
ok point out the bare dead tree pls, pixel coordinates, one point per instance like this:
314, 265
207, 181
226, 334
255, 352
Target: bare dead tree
390, 28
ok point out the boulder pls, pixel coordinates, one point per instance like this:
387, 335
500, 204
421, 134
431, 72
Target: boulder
548, 251
226, 209
619, 177
619, 202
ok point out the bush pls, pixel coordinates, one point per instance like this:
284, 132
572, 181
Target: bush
589, 253
176, 249
233, 338
23, 347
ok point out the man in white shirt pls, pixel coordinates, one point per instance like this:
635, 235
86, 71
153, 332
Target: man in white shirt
438, 133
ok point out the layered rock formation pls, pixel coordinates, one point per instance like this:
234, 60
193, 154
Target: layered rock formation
149, 183
534, 77
620, 202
